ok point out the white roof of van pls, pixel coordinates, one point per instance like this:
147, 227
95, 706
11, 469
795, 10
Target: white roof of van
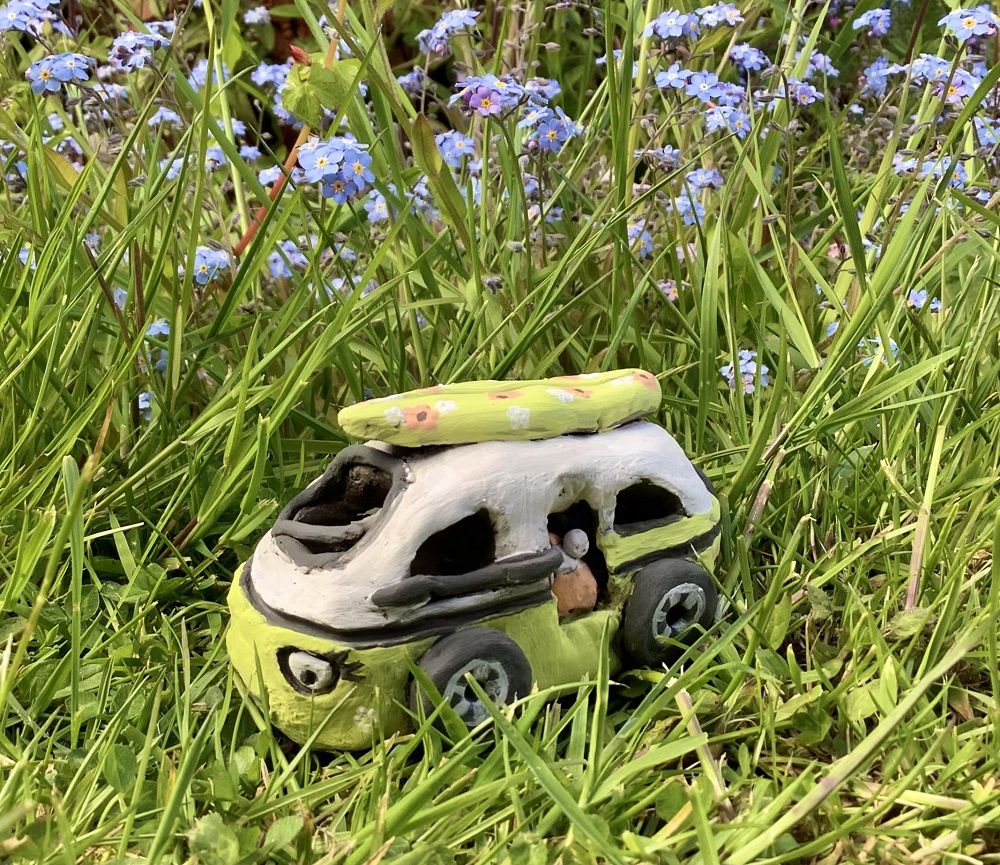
519, 483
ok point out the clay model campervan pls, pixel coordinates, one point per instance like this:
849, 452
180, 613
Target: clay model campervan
488, 529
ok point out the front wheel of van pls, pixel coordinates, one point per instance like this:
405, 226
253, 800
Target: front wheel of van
674, 600
492, 658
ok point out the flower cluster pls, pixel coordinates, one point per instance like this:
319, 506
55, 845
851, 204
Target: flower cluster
342, 167
875, 21
489, 96
674, 25
965, 24
550, 129
32, 16
133, 50
437, 39
49, 74
745, 374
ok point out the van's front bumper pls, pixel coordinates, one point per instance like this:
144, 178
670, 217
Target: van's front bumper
354, 715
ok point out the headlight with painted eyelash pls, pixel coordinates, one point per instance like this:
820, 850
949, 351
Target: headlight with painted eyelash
307, 672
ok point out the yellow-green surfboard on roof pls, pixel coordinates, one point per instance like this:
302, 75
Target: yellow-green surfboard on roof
466, 412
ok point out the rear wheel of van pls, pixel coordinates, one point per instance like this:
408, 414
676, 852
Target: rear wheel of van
673, 600
492, 658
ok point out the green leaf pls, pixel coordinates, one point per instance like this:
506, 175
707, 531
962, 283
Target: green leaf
283, 831
120, 768
299, 97
860, 704
780, 618
212, 842
334, 86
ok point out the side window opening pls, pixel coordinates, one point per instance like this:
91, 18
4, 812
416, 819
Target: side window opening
464, 546
645, 506
580, 515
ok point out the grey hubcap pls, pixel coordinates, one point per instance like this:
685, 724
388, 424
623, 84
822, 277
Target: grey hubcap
491, 677
678, 610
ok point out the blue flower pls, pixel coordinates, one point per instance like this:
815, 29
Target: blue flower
271, 74
133, 50
209, 264
319, 159
173, 166
692, 211
819, 64
454, 147
120, 296
719, 13
703, 86
871, 350
164, 116
31, 16
159, 327
199, 75
675, 76
664, 158
746, 372
249, 153
877, 22
802, 93
268, 176
50, 73
553, 129
257, 15
542, 90
377, 207
929, 67
639, 237
215, 158
284, 258
875, 78
749, 59
964, 24
672, 25
704, 178
488, 96
728, 118
917, 298
413, 82
145, 402
437, 39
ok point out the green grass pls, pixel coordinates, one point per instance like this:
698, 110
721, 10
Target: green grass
828, 718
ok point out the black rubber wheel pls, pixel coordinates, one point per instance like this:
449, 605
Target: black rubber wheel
672, 599
495, 661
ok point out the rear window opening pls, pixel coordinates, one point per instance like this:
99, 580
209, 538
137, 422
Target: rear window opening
580, 515
464, 546
644, 506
